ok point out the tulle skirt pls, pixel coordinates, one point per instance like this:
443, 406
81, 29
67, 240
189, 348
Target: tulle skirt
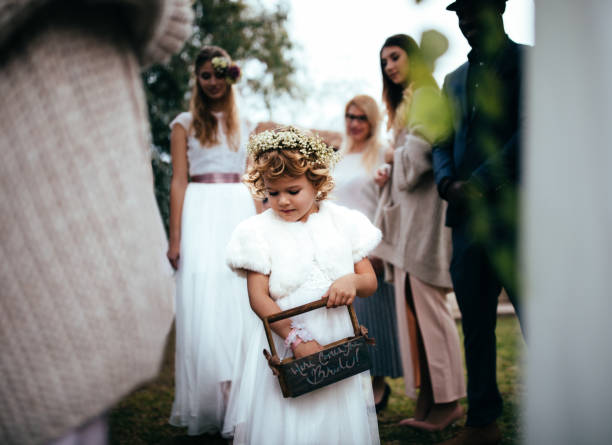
211, 303
341, 413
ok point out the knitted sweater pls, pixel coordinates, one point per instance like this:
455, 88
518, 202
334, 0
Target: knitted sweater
85, 289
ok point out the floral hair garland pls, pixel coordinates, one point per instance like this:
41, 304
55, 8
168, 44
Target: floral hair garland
223, 67
290, 138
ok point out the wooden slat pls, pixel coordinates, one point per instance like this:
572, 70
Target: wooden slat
297, 310
307, 308
269, 336
354, 321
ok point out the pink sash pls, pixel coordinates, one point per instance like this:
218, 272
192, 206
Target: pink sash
214, 178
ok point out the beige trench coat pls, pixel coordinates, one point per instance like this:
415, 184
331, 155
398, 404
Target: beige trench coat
411, 215
416, 241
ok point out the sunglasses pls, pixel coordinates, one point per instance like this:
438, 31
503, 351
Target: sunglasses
356, 117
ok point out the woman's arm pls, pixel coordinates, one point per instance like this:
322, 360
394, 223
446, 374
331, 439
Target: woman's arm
388, 154
412, 162
178, 185
263, 305
383, 173
362, 283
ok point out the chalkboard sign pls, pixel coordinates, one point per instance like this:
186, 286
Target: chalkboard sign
339, 360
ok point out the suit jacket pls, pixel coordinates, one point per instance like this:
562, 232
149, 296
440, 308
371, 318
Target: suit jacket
484, 144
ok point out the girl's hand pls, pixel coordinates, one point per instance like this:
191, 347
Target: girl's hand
173, 255
306, 348
341, 292
382, 174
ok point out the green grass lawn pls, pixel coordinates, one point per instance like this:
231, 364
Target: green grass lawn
142, 418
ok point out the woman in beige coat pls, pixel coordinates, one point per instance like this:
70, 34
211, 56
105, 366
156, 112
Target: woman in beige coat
85, 289
415, 241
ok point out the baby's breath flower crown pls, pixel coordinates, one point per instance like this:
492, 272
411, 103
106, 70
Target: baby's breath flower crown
290, 138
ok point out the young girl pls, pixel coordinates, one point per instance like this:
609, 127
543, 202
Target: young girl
415, 240
208, 145
301, 249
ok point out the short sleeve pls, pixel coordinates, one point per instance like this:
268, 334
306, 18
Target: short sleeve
183, 119
362, 234
247, 249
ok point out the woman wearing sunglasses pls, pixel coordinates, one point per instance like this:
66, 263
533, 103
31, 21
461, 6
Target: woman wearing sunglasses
355, 188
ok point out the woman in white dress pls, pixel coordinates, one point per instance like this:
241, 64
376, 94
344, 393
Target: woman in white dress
355, 188
207, 201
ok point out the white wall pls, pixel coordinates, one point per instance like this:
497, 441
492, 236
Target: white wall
567, 247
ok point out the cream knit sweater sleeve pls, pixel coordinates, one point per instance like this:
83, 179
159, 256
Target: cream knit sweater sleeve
86, 295
158, 28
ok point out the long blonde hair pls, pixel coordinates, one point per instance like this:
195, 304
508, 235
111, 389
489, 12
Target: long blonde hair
205, 123
371, 153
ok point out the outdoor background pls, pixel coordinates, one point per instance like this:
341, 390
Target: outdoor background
302, 60
337, 44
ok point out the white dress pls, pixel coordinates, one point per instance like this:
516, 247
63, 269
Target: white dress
302, 261
355, 188
354, 185
209, 296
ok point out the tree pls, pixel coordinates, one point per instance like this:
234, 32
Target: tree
249, 33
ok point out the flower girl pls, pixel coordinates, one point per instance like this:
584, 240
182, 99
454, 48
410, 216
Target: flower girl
301, 249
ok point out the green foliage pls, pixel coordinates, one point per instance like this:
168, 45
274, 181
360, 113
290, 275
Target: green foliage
428, 115
249, 34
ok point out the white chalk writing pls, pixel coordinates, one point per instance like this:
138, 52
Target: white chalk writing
328, 363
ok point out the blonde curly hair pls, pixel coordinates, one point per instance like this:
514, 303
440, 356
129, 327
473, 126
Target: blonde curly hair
270, 164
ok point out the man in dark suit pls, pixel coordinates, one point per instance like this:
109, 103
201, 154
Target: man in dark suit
477, 171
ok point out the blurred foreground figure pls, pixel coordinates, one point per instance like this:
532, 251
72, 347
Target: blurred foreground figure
86, 294
477, 170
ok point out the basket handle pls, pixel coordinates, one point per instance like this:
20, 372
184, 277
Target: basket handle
300, 310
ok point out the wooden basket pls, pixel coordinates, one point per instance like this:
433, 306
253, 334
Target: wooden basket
337, 360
